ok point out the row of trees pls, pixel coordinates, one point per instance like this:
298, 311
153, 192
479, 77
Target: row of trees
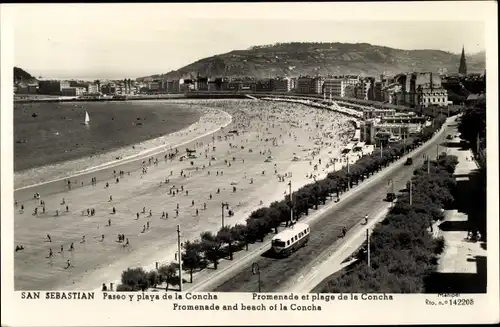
212, 247
403, 250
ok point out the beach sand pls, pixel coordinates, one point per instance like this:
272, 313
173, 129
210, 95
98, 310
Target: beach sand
280, 131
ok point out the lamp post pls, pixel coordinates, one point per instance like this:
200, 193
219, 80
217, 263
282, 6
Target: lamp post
291, 201
179, 247
223, 204
411, 191
256, 271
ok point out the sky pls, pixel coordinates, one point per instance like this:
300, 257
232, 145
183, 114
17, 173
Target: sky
89, 41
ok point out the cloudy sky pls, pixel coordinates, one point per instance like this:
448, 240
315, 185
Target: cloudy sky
133, 40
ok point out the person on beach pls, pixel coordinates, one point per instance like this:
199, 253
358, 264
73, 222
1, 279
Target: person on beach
204, 206
83, 239
50, 254
22, 208
114, 210
62, 249
68, 264
137, 216
49, 238
67, 208
102, 237
71, 247
147, 225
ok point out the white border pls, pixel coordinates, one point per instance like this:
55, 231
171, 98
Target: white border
405, 309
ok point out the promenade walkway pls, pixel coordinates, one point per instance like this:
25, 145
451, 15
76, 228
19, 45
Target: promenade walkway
462, 266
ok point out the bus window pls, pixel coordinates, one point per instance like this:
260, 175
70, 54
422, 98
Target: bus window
287, 242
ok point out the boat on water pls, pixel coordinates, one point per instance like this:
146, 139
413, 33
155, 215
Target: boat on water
87, 118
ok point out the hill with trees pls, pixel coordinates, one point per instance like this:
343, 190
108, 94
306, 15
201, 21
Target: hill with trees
294, 59
21, 76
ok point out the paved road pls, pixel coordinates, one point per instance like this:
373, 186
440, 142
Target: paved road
326, 228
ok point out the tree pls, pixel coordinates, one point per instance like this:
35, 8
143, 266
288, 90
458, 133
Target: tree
152, 277
240, 233
191, 258
224, 235
135, 278
211, 247
168, 272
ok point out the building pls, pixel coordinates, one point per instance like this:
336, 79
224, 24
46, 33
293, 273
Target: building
318, 85
293, 84
281, 84
377, 91
433, 97
202, 83
422, 89
393, 94
154, 86
92, 89
462, 69
264, 85
340, 87
108, 89
173, 86
364, 89
305, 85
73, 91
374, 131
52, 87
27, 89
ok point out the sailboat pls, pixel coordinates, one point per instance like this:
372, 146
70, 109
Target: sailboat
87, 118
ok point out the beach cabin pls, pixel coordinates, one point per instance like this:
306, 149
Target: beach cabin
290, 240
358, 147
348, 148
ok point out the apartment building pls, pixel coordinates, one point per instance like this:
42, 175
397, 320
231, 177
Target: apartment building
281, 84
339, 86
73, 91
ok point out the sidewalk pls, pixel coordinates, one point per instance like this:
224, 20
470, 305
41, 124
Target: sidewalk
459, 255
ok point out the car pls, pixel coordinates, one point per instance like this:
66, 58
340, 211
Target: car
409, 162
390, 197
449, 137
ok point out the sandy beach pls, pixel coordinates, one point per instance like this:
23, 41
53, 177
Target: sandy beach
241, 164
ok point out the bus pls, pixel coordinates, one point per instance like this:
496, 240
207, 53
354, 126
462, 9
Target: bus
290, 240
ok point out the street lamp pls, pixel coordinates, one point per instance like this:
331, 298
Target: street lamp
291, 202
223, 204
256, 271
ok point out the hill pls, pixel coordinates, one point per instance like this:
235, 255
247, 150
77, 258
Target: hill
294, 59
21, 75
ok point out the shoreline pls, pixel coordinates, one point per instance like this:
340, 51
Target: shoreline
84, 165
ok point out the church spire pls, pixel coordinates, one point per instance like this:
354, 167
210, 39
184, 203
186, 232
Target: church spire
463, 65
